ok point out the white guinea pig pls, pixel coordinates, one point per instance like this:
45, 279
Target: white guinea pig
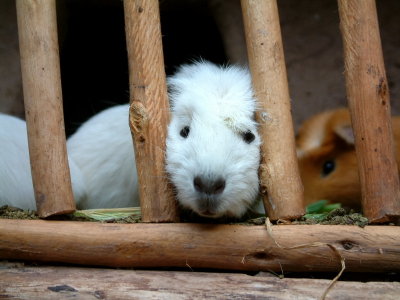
15, 173
212, 150
103, 150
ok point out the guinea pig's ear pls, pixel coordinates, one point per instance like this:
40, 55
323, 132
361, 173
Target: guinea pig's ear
345, 132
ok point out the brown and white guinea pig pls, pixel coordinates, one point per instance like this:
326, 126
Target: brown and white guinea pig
327, 159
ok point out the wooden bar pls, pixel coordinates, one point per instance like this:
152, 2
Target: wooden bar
369, 103
279, 173
37, 28
149, 113
228, 247
58, 282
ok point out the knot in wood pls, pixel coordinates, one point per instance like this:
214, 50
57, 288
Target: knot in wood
264, 175
382, 90
138, 120
347, 245
261, 255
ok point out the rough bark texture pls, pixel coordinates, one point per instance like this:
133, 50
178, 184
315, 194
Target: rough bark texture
81, 283
368, 97
279, 174
149, 113
37, 27
231, 247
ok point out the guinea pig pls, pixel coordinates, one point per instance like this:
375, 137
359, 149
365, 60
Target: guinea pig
102, 148
212, 147
327, 158
16, 187
212, 152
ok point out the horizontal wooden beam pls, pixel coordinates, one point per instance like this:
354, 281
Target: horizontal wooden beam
91, 283
232, 247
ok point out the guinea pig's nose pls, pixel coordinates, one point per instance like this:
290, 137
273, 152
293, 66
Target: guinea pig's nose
210, 187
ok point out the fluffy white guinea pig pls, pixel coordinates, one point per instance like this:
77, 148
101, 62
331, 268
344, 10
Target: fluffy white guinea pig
212, 154
212, 150
15, 172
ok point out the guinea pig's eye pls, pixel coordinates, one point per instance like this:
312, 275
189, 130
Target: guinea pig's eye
185, 132
328, 167
248, 137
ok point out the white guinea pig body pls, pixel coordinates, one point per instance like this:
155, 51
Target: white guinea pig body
103, 150
213, 150
16, 187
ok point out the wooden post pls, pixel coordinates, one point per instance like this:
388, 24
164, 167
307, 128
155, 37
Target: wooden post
37, 27
279, 173
368, 97
227, 247
149, 113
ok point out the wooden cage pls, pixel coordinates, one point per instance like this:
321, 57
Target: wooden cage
161, 241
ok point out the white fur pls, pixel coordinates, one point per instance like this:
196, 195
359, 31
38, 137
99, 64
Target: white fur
103, 150
15, 173
218, 105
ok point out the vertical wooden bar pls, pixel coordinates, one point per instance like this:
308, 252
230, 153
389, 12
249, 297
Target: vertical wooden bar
37, 27
279, 174
149, 113
368, 97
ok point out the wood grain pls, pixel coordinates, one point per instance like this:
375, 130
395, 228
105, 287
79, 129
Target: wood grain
47, 282
369, 103
149, 112
279, 172
227, 247
37, 28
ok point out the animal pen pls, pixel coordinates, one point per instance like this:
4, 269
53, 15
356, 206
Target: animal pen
160, 240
